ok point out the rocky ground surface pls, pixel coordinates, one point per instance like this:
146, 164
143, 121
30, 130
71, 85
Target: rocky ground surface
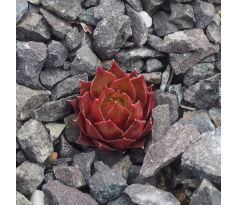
175, 44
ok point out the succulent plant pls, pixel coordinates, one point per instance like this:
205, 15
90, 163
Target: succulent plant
114, 109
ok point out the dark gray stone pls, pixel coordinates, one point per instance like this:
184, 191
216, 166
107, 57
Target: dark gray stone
162, 25
199, 72
56, 54
55, 129
22, 200
58, 26
123, 166
68, 87
213, 33
165, 78
20, 157
34, 140
89, 3
151, 5
21, 9
111, 34
218, 61
152, 65
73, 39
181, 1
161, 117
51, 76
28, 177
84, 162
182, 15
53, 111
66, 150
27, 100
106, 184
137, 65
135, 4
72, 131
87, 17
68, 10
203, 12
59, 194
147, 194
180, 63
209, 59
184, 41
203, 158
152, 78
206, 194
138, 26
168, 148
30, 60
85, 62
170, 99
177, 90
136, 53
205, 93
122, 200
109, 8
154, 41
215, 115
199, 118
33, 27
109, 157
33, 8
69, 176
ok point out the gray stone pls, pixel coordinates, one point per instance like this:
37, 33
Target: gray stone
109, 8
68, 87
84, 162
199, 118
205, 93
56, 54
137, 65
147, 194
68, 10
28, 177
199, 72
37, 198
33, 27
106, 184
170, 99
111, 34
184, 41
21, 9
215, 115
89, 3
168, 148
85, 62
73, 39
51, 76
136, 53
218, 61
147, 19
21, 199
165, 78
55, 129
162, 25
33, 8
69, 176
58, 26
30, 60
72, 131
86, 40
27, 100
59, 194
53, 111
20, 157
154, 41
122, 200
213, 33
35, 2
152, 78
177, 90
203, 12
152, 65
123, 166
182, 15
109, 157
181, 1
161, 117
206, 194
87, 17
66, 150
209, 59
34, 140
203, 158
138, 26
180, 63
135, 4
151, 5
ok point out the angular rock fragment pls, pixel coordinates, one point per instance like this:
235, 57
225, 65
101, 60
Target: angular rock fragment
66, 150
55, 129
135, 4
151, 5
123, 166
27, 100
37, 197
152, 78
215, 115
213, 33
34, 140
165, 78
87, 17
152, 65
22, 200
73, 39
176, 89
21, 9
72, 131
168, 148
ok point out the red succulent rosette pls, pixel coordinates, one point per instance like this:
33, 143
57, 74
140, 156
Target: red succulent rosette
114, 110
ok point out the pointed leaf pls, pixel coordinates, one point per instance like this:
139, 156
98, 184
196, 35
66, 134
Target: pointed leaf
135, 130
127, 100
116, 70
91, 131
102, 78
84, 140
80, 121
148, 127
96, 113
109, 130
149, 104
84, 86
141, 88
136, 112
133, 74
121, 144
103, 146
139, 143
85, 103
106, 107
125, 85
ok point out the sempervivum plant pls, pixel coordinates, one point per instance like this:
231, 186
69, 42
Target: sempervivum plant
114, 110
